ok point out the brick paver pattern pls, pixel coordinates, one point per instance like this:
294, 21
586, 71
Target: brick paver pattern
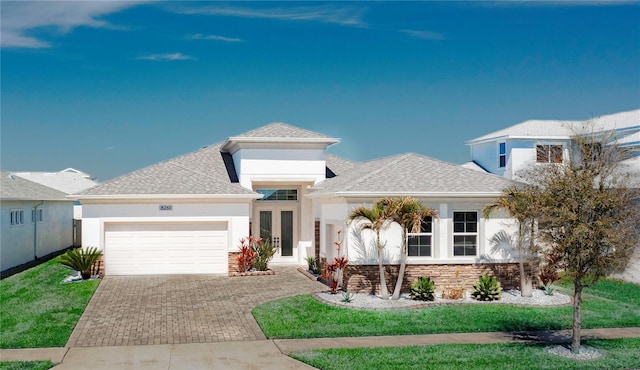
170, 309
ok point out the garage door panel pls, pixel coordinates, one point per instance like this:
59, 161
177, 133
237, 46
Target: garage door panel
165, 248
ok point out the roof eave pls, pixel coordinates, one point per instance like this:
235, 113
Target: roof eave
516, 137
233, 143
377, 194
166, 196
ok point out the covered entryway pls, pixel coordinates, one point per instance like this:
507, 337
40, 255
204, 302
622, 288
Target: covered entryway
165, 248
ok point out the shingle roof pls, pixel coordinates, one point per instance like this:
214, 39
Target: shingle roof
339, 165
282, 130
564, 129
16, 188
198, 173
412, 174
65, 181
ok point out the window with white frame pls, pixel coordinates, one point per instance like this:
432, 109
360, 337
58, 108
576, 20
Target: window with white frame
16, 217
419, 244
548, 153
465, 233
502, 155
37, 214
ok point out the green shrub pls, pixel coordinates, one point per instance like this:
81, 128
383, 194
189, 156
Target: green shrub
264, 251
487, 288
423, 289
312, 262
81, 259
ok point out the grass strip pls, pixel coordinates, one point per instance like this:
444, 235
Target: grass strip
26, 365
620, 354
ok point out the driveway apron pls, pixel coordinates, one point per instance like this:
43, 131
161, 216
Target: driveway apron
172, 309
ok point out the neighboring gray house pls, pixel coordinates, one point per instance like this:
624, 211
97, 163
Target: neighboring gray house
36, 220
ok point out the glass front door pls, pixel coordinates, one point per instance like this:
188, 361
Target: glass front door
277, 223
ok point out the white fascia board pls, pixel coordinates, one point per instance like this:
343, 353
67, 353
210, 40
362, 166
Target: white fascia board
234, 143
516, 137
346, 194
168, 196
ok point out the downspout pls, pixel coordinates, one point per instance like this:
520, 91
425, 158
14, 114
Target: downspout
35, 229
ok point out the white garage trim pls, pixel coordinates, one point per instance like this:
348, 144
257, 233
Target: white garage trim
147, 248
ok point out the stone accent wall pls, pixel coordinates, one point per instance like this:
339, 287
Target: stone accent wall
317, 239
98, 267
233, 262
366, 278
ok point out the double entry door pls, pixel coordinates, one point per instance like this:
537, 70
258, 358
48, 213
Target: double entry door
280, 225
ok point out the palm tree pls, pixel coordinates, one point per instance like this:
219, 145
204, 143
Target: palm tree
409, 213
375, 220
521, 204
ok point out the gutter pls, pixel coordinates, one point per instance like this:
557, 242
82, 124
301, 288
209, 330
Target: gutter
35, 229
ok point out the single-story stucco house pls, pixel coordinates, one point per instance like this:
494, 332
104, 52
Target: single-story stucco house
187, 215
36, 220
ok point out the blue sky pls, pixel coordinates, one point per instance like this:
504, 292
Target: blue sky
111, 87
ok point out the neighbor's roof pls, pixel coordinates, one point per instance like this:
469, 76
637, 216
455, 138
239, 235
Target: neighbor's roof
68, 180
16, 188
202, 172
411, 174
553, 129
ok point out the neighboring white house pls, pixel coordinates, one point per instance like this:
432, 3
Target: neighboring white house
186, 215
507, 151
69, 181
36, 220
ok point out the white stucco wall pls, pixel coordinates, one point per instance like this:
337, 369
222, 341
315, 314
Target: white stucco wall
360, 245
54, 233
273, 165
95, 215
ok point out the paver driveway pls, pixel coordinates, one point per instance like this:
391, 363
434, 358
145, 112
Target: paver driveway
168, 309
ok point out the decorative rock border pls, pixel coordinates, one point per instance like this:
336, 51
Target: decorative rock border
253, 273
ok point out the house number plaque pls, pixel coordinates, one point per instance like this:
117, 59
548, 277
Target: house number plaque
166, 207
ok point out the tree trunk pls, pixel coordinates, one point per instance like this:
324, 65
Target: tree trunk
577, 302
384, 293
403, 265
526, 283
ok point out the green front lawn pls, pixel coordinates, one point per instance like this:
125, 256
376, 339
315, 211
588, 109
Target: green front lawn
620, 354
608, 304
37, 310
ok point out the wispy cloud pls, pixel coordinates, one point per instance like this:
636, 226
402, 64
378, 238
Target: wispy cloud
161, 57
20, 18
424, 35
346, 16
199, 36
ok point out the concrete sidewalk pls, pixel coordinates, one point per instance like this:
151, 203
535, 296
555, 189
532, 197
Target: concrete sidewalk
270, 354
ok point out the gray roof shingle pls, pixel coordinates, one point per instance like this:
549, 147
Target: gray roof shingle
565, 129
65, 181
16, 188
198, 173
412, 174
282, 130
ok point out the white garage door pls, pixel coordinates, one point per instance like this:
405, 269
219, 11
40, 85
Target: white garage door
165, 248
